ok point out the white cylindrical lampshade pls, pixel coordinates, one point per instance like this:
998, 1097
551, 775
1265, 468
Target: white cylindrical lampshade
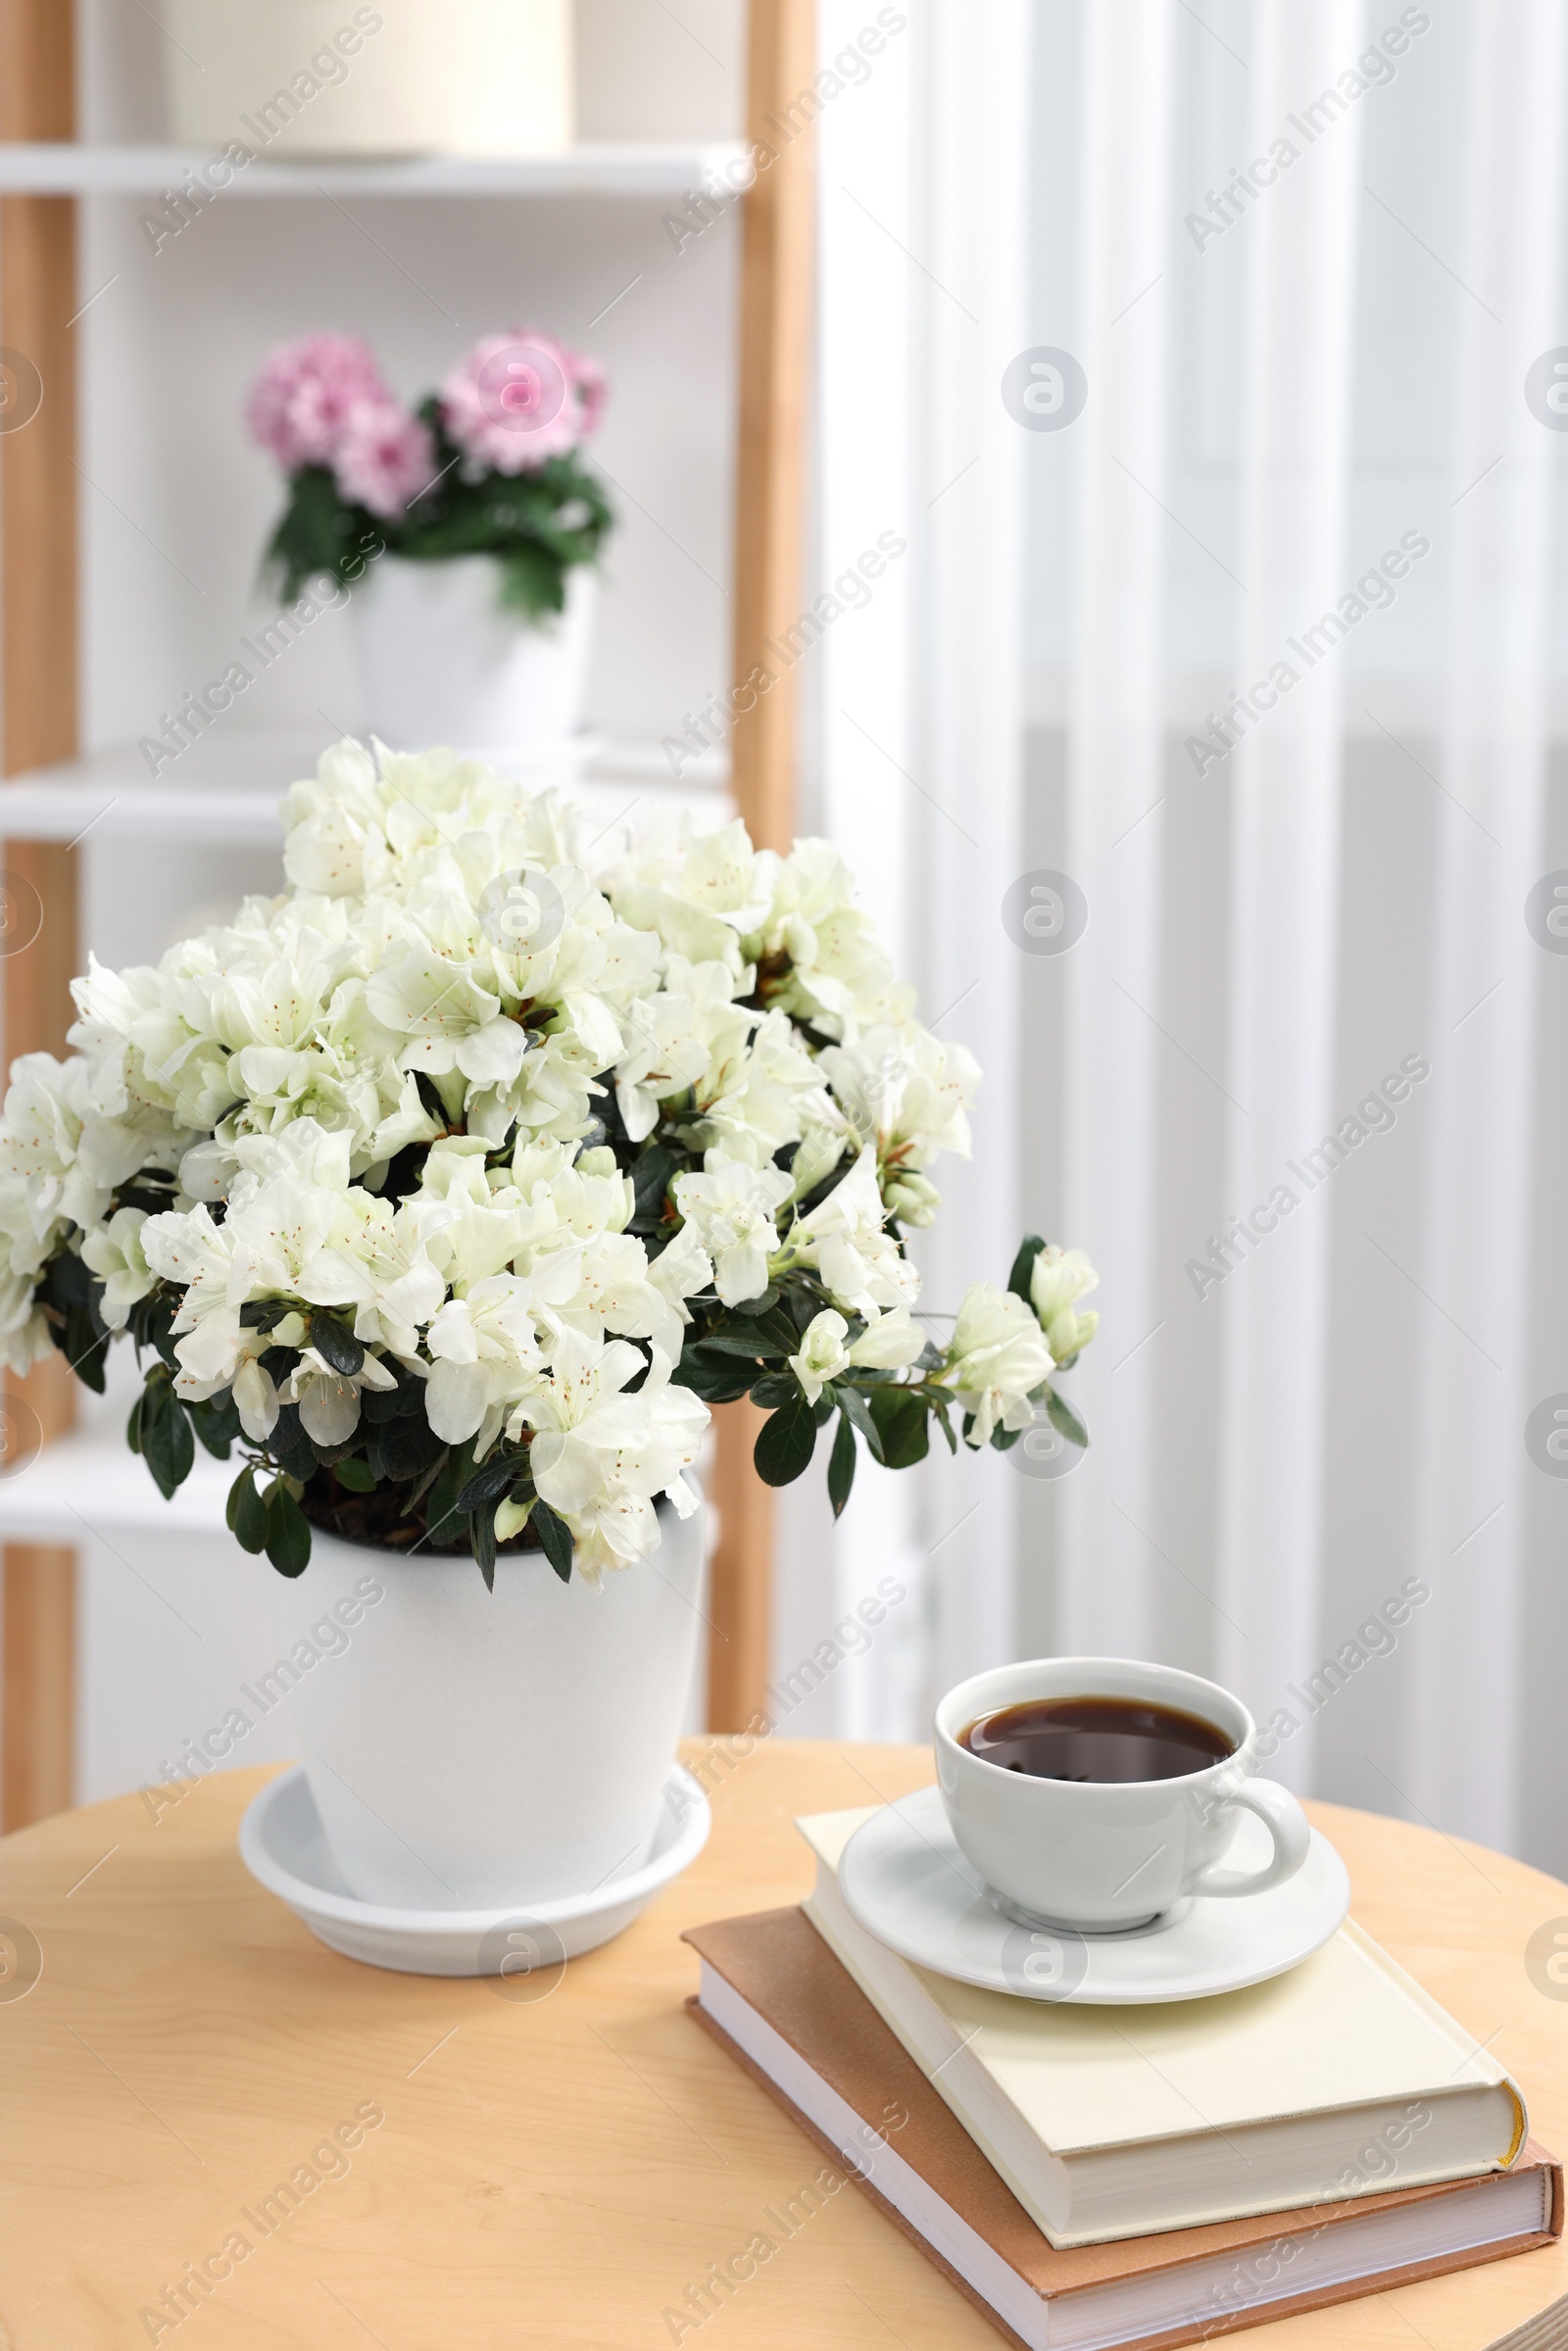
398, 77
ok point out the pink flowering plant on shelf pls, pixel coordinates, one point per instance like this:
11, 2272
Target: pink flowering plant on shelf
490, 463
454, 1185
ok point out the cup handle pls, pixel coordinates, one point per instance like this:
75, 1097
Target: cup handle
1286, 1823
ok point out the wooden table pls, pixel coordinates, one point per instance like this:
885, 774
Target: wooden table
555, 2172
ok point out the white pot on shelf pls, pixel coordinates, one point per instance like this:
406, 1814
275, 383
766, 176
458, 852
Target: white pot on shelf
402, 77
443, 662
470, 1750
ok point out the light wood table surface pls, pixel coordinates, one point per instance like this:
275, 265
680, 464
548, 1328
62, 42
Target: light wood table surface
550, 2172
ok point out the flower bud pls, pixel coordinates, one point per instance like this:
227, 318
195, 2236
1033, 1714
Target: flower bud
912, 1199
819, 1154
1069, 1331
822, 1354
1058, 1277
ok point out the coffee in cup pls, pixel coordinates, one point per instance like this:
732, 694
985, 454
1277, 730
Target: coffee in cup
1095, 1739
1096, 1792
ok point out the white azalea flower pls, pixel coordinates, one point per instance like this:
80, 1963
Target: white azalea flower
599, 1456
333, 841
189, 1249
681, 1268
616, 1293
996, 1360
375, 1258
591, 1196
722, 873
843, 1237
906, 1090
759, 1088
328, 1400
837, 968
114, 1252
67, 1156
732, 1209
255, 1399
666, 1053
700, 893
486, 1354
891, 1341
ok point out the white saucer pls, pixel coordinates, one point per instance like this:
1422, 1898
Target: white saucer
905, 1881
281, 1843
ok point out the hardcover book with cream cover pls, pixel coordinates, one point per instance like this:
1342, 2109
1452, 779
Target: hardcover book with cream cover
1109, 2121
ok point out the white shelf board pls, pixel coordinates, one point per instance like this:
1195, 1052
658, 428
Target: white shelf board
91, 1484
226, 789
77, 168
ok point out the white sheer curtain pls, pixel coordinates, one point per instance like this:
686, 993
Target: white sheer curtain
1491, 846
1295, 1084
1114, 816
1295, 448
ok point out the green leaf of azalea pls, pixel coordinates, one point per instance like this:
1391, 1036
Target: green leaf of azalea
288, 1531
555, 1537
903, 1424
247, 1512
785, 1443
1064, 1418
1023, 1265
841, 1465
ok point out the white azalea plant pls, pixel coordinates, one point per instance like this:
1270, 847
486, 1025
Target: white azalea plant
457, 1183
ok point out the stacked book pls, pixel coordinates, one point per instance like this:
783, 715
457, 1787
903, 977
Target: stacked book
1107, 2179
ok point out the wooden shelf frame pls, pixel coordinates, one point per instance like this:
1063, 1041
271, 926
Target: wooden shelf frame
44, 171
777, 280
38, 666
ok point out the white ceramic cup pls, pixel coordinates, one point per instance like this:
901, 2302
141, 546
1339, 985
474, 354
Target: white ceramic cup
1103, 1856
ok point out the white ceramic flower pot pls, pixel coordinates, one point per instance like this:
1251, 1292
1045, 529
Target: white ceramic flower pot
469, 1749
402, 77
441, 662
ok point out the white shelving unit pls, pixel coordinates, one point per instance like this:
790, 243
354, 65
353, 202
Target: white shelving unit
91, 1484
82, 278
59, 167
228, 789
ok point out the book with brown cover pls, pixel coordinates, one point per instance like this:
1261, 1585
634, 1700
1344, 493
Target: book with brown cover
775, 1996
